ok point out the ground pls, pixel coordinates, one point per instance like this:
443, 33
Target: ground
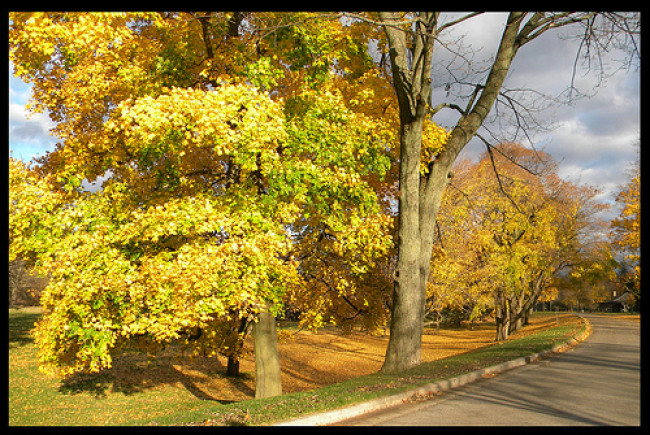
309, 360
138, 390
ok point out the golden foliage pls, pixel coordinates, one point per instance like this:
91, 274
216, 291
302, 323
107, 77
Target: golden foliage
509, 235
224, 155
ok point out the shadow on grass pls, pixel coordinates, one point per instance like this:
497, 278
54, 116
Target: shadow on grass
20, 325
133, 372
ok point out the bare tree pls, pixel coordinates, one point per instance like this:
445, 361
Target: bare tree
411, 39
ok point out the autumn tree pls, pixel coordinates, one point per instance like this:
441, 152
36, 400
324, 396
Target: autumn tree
83, 67
507, 233
626, 228
508, 229
220, 144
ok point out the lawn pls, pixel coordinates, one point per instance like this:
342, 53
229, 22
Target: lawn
320, 371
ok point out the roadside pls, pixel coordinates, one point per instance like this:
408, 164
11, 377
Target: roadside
364, 413
328, 371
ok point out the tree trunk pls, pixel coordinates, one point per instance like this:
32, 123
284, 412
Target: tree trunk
419, 197
517, 323
501, 316
233, 360
268, 381
503, 325
233, 366
528, 313
403, 351
536, 290
517, 313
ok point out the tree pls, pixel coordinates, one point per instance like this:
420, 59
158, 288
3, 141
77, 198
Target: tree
84, 67
211, 163
24, 287
509, 228
510, 222
410, 39
626, 228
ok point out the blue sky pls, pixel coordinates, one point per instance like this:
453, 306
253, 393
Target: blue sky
595, 139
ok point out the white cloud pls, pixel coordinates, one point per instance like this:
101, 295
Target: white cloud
17, 112
593, 139
588, 158
98, 183
477, 32
28, 127
29, 134
573, 140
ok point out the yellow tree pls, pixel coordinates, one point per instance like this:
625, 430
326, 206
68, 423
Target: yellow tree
626, 228
215, 148
457, 282
509, 226
585, 260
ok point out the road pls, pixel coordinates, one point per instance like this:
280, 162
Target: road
597, 383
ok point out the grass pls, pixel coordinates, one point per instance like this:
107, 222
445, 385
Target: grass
167, 391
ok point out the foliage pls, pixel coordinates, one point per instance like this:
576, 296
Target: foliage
507, 234
218, 173
626, 227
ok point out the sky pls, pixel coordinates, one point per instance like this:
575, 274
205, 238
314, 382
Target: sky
594, 139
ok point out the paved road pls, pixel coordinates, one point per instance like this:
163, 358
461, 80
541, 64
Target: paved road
596, 383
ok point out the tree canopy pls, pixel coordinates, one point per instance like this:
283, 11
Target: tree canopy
509, 228
626, 227
216, 178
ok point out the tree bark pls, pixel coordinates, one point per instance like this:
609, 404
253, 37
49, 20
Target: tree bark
501, 316
403, 351
233, 366
412, 86
233, 360
517, 313
268, 381
528, 313
524, 306
419, 197
503, 325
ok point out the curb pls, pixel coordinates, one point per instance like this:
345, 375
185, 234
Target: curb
350, 411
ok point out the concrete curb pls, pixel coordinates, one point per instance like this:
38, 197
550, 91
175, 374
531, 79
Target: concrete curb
336, 415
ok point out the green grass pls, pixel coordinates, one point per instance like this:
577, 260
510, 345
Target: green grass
35, 399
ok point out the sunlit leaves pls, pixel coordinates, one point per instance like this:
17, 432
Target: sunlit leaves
31, 202
220, 174
434, 139
512, 234
627, 225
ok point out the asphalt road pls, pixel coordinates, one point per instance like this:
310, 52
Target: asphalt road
596, 383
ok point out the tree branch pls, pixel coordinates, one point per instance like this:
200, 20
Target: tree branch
496, 173
459, 20
434, 110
